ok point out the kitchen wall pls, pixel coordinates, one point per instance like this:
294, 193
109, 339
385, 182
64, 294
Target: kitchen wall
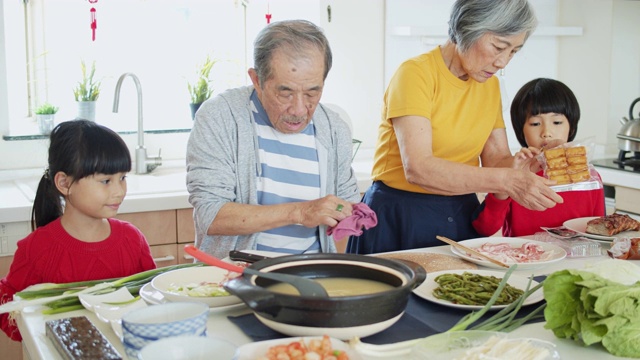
602, 66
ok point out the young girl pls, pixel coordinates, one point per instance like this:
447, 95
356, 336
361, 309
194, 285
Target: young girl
544, 112
75, 237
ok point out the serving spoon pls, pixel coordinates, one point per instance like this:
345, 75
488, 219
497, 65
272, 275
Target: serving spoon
305, 286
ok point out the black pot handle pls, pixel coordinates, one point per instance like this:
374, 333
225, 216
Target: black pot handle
256, 297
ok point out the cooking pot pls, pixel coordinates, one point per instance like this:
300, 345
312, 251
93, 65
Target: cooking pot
341, 317
629, 134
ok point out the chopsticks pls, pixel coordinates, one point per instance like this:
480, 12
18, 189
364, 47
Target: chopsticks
471, 251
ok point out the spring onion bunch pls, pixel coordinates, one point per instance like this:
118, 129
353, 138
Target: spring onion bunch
61, 298
504, 320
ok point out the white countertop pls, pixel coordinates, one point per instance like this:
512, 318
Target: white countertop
32, 323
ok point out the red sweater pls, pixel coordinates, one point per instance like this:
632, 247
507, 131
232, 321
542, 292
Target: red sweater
516, 220
50, 255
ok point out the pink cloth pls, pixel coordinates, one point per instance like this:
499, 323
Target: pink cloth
362, 217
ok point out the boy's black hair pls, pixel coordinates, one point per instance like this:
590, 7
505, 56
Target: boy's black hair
78, 148
541, 96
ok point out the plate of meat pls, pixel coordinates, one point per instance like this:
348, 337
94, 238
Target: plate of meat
528, 254
605, 228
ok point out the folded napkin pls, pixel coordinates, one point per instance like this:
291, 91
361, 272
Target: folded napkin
421, 318
362, 217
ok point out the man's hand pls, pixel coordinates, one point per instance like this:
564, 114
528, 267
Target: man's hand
328, 210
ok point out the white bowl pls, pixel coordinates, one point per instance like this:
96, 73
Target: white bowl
258, 350
195, 275
144, 326
188, 348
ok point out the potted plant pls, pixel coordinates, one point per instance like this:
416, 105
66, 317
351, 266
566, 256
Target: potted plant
45, 115
87, 92
201, 89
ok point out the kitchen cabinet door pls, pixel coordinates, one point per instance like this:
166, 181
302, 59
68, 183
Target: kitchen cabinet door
159, 227
186, 228
164, 255
10, 349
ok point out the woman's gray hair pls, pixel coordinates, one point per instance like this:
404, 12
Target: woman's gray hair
298, 36
470, 19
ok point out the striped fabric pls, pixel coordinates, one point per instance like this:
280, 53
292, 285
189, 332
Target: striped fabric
289, 173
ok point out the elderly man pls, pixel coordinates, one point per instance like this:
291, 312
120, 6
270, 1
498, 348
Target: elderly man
268, 166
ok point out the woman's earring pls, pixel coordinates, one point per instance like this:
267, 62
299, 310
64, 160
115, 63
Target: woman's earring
501, 72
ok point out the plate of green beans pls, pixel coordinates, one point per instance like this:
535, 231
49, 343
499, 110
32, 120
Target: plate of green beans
471, 289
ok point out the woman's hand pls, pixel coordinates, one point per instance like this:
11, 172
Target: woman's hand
531, 191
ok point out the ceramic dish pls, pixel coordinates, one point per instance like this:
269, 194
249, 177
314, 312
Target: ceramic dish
579, 225
469, 345
102, 305
258, 350
110, 306
195, 275
425, 290
188, 347
155, 297
553, 253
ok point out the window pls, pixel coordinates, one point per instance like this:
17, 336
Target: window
160, 41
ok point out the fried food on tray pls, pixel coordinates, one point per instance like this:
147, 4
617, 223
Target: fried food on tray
567, 165
612, 224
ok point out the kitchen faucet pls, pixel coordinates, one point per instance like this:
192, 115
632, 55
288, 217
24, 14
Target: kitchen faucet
144, 164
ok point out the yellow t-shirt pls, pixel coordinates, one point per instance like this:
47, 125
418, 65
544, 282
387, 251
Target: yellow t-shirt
462, 115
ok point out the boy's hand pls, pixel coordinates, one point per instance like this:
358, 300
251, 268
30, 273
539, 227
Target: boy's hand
526, 159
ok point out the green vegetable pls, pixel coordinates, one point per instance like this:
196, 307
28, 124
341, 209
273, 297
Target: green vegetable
588, 308
64, 297
473, 289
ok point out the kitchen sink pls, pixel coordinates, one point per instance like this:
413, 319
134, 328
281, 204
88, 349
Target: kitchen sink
161, 180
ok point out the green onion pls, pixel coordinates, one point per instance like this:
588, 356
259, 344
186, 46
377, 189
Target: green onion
504, 320
64, 297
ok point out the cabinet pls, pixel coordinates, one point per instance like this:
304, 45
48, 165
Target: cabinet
167, 232
628, 199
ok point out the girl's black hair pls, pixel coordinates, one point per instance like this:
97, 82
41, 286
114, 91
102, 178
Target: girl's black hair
78, 148
541, 96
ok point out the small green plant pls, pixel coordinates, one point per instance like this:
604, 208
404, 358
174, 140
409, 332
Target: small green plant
201, 90
46, 109
88, 89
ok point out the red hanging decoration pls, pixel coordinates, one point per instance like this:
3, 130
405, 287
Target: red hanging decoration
94, 23
267, 15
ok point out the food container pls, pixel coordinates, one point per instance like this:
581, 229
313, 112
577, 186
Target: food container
340, 317
194, 275
143, 326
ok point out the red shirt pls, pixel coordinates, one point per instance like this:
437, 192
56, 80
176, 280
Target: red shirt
517, 220
50, 255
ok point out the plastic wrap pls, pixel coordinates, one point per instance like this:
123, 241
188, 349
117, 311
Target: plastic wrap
574, 246
594, 182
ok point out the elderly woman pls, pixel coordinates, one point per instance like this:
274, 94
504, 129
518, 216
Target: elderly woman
442, 138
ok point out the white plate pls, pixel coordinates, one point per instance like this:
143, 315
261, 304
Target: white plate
425, 290
107, 312
556, 253
258, 350
461, 344
579, 225
151, 295
195, 275
155, 297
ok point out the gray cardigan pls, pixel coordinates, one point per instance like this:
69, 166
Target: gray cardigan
222, 165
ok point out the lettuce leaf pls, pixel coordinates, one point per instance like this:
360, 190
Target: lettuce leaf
588, 308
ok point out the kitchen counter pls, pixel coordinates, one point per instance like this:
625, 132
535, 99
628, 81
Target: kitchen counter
37, 346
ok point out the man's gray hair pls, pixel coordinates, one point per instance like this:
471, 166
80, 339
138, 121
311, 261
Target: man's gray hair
470, 19
297, 36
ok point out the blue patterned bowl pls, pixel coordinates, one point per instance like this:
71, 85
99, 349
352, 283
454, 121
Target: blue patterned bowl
143, 326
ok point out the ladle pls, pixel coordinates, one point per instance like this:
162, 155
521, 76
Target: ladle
305, 286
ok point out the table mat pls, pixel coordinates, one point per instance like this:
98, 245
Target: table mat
422, 318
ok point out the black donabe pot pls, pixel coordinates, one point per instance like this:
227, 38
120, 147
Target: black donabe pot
336, 312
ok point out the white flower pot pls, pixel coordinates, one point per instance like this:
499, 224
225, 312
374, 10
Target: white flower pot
45, 123
87, 110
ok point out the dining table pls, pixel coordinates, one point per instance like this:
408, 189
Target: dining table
221, 324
